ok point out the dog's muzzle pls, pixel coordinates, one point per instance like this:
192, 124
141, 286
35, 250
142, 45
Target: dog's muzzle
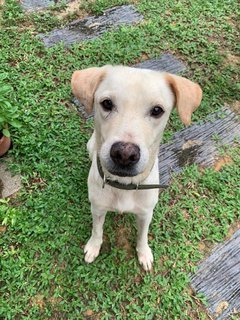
124, 157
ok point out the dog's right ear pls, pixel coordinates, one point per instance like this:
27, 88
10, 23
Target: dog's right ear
84, 84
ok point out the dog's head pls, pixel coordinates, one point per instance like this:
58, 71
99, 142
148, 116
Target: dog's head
131, 110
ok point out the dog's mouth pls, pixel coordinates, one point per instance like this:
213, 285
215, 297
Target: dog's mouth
123, 171
118, 170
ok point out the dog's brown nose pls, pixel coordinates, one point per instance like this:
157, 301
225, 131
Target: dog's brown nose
125, 154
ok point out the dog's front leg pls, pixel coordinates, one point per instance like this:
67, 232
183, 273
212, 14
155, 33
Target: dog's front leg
93, 245
144, 252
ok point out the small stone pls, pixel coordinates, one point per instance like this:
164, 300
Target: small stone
10, 184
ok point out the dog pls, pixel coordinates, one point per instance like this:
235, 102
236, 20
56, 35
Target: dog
131, 110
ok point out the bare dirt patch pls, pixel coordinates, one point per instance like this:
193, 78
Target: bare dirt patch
38, 301
122, 239
144, 56
222, 162
232, 59
233, 228
235, 106
1, 10
3, 229
73, 8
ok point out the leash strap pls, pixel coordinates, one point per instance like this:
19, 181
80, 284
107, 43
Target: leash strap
130, 186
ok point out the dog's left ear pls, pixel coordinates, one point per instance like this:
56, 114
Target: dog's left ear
84, 84
188, 96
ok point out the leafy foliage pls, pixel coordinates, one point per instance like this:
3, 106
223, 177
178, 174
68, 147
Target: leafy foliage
8, 112
8, 214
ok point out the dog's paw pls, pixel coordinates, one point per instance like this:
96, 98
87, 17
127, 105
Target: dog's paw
91, 250
145, 258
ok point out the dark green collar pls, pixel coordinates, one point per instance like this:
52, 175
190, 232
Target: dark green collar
130, 186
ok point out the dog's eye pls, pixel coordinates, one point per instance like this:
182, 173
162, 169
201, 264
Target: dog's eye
107, 105
156, 112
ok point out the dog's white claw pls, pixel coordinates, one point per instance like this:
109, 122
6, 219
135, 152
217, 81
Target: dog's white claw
145, 258
91, 250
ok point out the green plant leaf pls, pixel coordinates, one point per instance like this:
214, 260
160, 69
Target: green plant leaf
5, 89
6, 133
15, 123
5, 103
3, 76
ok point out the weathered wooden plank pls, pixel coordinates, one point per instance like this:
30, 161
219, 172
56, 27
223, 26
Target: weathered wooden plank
198, 144
92, 26
34, 5
218, 278
166, 62
81, 109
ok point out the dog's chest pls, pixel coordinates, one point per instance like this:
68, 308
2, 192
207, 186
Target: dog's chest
129, 201
113, 199
124, 202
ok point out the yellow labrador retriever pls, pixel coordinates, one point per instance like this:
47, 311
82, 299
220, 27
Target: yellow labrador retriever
131, 110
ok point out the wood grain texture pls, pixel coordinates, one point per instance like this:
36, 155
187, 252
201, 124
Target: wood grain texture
218, 278
92, 26
166, 62
198, 144
35, 5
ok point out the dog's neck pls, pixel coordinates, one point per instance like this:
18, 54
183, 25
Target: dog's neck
130, 186
139, 179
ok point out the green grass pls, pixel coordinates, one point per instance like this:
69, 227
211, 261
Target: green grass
43, 275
